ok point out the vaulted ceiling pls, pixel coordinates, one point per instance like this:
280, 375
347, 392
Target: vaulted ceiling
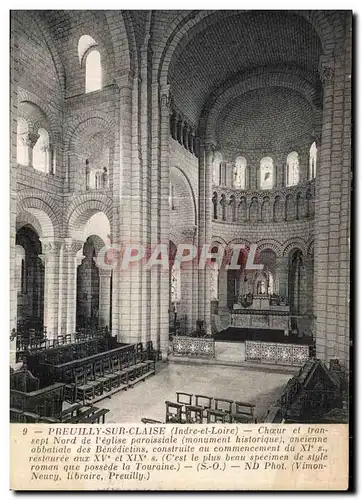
265, 119
237, 44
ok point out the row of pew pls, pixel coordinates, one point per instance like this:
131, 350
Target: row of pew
31, 404
82, 373
32, 341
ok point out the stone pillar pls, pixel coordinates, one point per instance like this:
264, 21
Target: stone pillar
30, 141
122, 217
164, 286
68, 286
188, 288
282, 275
104, 297
205, 235
332, 215
51, 250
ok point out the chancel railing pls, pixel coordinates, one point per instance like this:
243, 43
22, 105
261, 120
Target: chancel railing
277, 353
193, 346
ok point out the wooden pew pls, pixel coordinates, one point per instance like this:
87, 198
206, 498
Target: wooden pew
45, 402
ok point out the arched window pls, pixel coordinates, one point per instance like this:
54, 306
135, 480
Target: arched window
216, 171
41, 152
84, 44
239, 177
93, 71
312, 161
292, 177
21, 148
266, 173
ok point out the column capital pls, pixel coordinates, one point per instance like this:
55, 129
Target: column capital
209, 147
326, 70
72, 246
49, 245
31, 138
189, 233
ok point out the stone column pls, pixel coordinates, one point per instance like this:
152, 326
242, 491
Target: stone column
282, 275
51, 250
205, 235
30, 141
68, 287
332, 215
104, 297
122, 217
165, 102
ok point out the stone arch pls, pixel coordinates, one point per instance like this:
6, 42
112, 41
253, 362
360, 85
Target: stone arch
97, 241
82, 209
270, 244
88, 122
48, 112
27, 218
294, 244
44, 208
310, 248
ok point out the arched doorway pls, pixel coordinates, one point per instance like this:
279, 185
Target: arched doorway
30, 281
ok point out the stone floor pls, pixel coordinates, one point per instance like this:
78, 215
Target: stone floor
147, 399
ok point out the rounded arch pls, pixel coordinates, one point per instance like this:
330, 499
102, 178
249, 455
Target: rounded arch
25, 218
88, 124
97, 241
85, 42
310, 248
44, 208
270, 244
82, 209
294, 244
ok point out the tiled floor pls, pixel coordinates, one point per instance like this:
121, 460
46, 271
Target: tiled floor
147, 399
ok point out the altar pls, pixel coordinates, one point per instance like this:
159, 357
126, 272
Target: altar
260, 311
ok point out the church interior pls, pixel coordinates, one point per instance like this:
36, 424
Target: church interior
216, 129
